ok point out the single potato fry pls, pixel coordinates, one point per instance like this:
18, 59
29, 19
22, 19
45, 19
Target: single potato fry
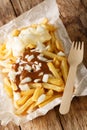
52, 55
35, 85
27, 92
53, 87
59, 45
52, 43
55, 81
65, 69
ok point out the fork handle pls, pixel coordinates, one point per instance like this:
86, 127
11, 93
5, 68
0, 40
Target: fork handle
68, 91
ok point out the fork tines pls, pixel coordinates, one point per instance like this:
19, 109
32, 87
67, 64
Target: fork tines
78, 45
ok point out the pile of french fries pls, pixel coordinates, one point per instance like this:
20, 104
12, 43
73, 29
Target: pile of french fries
38, 94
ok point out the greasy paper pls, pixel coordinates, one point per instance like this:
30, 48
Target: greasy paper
47, 9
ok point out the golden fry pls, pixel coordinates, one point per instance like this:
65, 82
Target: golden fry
23, 99
50, 92
15, 32
55, 81
53, 70
24, 107
64, 68
49, 100
27, 92
52, 42
32, 107
53, 87
35, 85
50, 27
45, 99
59, 45
53, 55
39, 91
56, 62
48, 95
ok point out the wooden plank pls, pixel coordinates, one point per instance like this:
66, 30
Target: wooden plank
21, 6
47, 122
76, 119
10, 126
17, 7
28, 4
6, 12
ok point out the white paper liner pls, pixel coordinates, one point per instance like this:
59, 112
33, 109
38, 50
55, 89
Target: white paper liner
48, 9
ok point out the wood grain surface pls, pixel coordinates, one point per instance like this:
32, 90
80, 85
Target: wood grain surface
74, 16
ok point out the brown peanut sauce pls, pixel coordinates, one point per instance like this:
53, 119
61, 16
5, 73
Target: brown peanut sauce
33, 74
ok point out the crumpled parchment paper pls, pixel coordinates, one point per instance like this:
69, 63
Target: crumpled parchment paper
48, 9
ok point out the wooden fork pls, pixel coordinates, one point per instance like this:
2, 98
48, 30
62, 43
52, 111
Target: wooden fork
74, 59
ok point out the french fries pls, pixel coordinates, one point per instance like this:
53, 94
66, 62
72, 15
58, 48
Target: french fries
39, 93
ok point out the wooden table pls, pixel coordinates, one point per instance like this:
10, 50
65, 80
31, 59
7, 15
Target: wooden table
74, 16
